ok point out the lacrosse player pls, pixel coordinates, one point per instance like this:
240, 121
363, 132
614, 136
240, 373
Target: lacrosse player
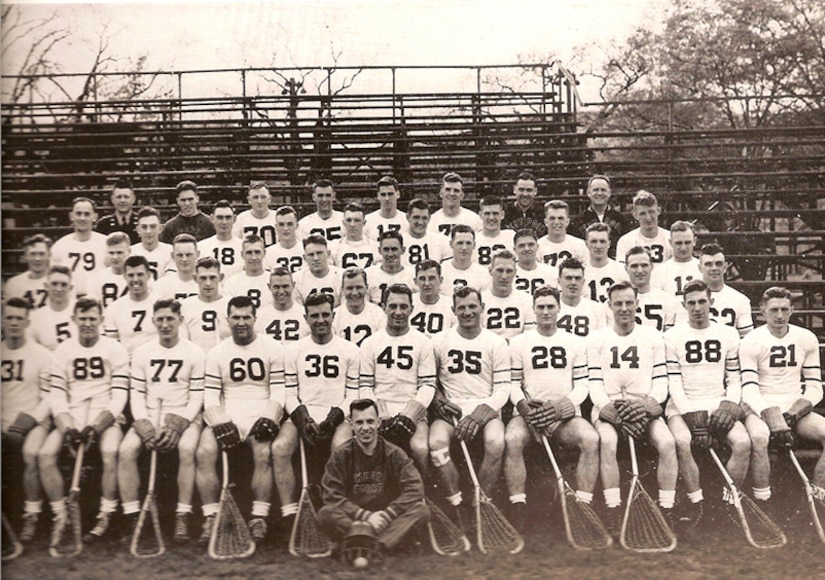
129, 319
25, 405
628, 384
391, 270
387, 217
166, 376
318, 275
258, 219
321, 373
507, 313
179, 282
432, 310
492, 239
156, 252
354, 250
243, 401
357, 318
461, 270
109, 284
283, 319
325, 221
398, 372
656, 308
223, 246
29, 284
601, 272
253, 280
52, 323
451, 212
730, 306
423, 243
557, 246
530, 273
672, 275
705, 392
549, 374
577, 314
648, 235
204, 315
287, 252
473, 368
83, 250
89, 390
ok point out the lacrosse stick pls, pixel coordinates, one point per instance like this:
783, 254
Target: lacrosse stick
493, 531
585, 531
230, 537
11, 543
816, 497
306, 539
446, 538
72, 512
153, 546
644, 528
760, 530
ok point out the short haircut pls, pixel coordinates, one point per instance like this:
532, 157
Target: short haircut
397, 289
556, 204
207, 263
147, 211
711, 249
319, 298
117, 238
323, 183
503, 255
461, 229
426, 265
682, 226
280, 271
644, 198
253, 239
387, 181
547, 290
136, 262
597, 177
597, 227
463, 292
696, 286
418, 203
571, 264
526, 176
18, 302
524, 233
489, 200
362, 405
314, 239
84, 304
122, 184
452, 177
354, 272
775, 292
59, 269
391, 235
170, 303
223, 204
257, 185
88, 200
37, 239
356, 207
285, 210
241, 301
637, 251
185, 239
619, 286
186, 185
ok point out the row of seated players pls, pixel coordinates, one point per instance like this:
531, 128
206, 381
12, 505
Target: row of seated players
695, 382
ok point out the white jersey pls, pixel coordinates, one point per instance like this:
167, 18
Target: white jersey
357, 327
255, 287
733, 308
247, 374
632, 364
395, 369
361, 254
509, 315
307, 283
321, 376
554, 253
48, 327
541, 275
658, 246
778, 371
702, 367
489, 246
331, 228
379, 280
98, 374
672, 276
32, 290
278, 256
376, 224
82, 257
432, 246
474, 276
130, 321
25, 382
246, 224
282, 325
205, 322
584, 318
432, 318
598, 280
171, 286
160, 259
549, 367
106, 286
228, 253
172, 377
443, 224
473, 371
656, 308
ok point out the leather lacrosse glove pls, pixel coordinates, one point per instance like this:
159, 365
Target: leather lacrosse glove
328, 426
724, 417
781, 434
529, 411
442, 408
609, 414
469, 426
306, 425
171, 433
146, 431
697, 422
799, 409
227, 435
18, 430
264, 429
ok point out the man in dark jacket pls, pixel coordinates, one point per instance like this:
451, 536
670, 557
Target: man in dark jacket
371, 480
598, 191
190, 220
525, 212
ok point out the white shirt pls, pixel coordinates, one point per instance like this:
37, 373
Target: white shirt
247, 224
331, 228
658, 246
554, 253
443, 224
228, 253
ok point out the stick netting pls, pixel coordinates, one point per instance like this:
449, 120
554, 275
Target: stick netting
644, 528
446, 538
761, 531
230, 536
147, 540
585, 531
306, 538
494, 531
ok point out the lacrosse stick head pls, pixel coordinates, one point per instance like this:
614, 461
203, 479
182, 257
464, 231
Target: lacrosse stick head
230, 537
306, 538
446, 538
360, 544
644, 528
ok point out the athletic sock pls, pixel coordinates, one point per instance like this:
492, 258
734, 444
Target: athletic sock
584, 496
183, 508
108, 506
454, 499
762, 493
59, 506
518, 498
131, 507
260, 509
289, 509
209, 509
696, 496
33, 507
613, 497
667, 497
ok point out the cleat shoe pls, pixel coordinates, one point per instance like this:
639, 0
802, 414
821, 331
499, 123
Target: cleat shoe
670, 517
613, 520
130, 523
257, 529
29, 529
208, 524
59, 523
287, 523
101, 527
518, 516
181, 528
